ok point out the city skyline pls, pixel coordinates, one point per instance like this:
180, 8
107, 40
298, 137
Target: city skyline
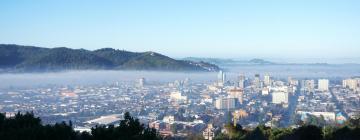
232, 29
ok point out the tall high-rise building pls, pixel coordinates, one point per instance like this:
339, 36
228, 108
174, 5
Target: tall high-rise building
241, 81
350, 83
221, 78
267, 80
280, 97
323, 84
257, 81
142, 82
237, 94
225, 103
308, 85
224, 78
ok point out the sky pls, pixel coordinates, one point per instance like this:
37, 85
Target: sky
296, 29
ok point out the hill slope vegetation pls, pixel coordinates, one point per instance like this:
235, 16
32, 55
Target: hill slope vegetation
30, 58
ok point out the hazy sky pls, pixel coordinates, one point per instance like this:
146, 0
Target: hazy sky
180, 28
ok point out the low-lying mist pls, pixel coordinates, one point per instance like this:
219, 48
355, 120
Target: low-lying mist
96, 77
26, 80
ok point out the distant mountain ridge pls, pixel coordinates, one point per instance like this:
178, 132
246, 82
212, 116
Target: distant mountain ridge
30, 58
256, 61
260, 61
226, 62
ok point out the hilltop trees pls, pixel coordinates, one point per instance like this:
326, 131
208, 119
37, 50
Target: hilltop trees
28, 58
129, 129
351, 131
27, 127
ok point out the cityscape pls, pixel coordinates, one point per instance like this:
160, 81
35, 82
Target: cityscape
184, 107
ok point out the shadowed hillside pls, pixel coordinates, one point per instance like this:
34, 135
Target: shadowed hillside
28, 58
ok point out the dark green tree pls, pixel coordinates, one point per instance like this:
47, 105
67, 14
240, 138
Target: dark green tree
256, 134
308, 132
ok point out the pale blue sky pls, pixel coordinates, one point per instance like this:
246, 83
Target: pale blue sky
180, 28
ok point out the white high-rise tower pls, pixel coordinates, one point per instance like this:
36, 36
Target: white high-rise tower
267, 80
323, 84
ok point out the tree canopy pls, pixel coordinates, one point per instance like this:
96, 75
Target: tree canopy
27, 127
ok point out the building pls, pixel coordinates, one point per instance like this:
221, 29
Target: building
169, 119
350, 83
237, 94
289, 80
241, 81
278, 83
280, 88
265, 91
328, 116
177, 96
280, 97
221, 78
257, 81
308, 85
225, 103
323, 85
292, 82
267, 80
209, 132
340, 118
142, 82
105, 120
239, 114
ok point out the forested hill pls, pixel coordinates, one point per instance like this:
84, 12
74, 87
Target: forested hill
30, 58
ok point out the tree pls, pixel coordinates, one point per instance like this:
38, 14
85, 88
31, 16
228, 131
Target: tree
354, 122
257, 134
308, 132
280, 134
129, 129
235, 132
27, 127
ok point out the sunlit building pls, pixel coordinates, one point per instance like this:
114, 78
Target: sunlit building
323, 84
237, 94
177, 96
225, 103
267, 80
350, 83
142, 82
280, 97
